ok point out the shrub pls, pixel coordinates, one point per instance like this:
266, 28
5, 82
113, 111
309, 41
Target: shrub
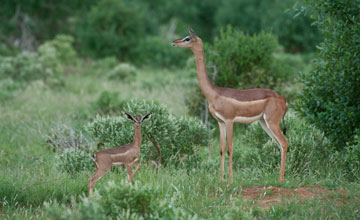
351, 159
73, 161
46, 65
120, 201
168, 132
26, 67
8, 87
293, 27
245, 61
123, 71
101, 66
190, 133
109, 103
62, 138
290, 21
84, 209
60, 47
331, 95
73, 149
113, 28
308, 150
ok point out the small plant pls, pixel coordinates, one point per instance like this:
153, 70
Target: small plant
120, 201
123, 71
24, 67
73, 161
60, 47
62, 138
101, 66
351, 159
109, 103
73, 149
8, 88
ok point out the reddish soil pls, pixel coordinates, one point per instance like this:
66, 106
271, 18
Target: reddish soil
267, 196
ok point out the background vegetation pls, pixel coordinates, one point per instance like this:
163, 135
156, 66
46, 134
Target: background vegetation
69, 69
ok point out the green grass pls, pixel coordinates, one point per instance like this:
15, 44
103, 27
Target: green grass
29, 177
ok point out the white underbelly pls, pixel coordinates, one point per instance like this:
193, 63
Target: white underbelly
247, 120
241, 119
120, 163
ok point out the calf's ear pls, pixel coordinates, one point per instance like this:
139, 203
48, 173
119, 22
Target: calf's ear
147, 116
128, 116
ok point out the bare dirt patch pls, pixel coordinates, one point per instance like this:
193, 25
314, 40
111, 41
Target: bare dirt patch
267, 196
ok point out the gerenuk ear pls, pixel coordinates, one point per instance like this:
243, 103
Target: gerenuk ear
128, 116
192, 33
145, 117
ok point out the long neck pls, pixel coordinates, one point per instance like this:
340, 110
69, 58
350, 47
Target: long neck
137, 137
205, 84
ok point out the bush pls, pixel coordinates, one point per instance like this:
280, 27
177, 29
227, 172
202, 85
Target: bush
331, 95
163, 129
8, 87
119, 201
63, 138
308, 150
351, 159
123, 71
27, 67
293, 27
73, 161
290, 21
113, 28
101, 66
62, 49
109, 103
54, 56
46, 65
245, 61
73, 149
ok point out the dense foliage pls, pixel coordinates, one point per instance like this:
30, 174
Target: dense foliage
176, 137
30, 23
63, 137
120, 201
331, 96
73, 161
46, 65
122, 71
121, 28
111, 28
282, 18
245, 61
100, 66
308, 148
109, 103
